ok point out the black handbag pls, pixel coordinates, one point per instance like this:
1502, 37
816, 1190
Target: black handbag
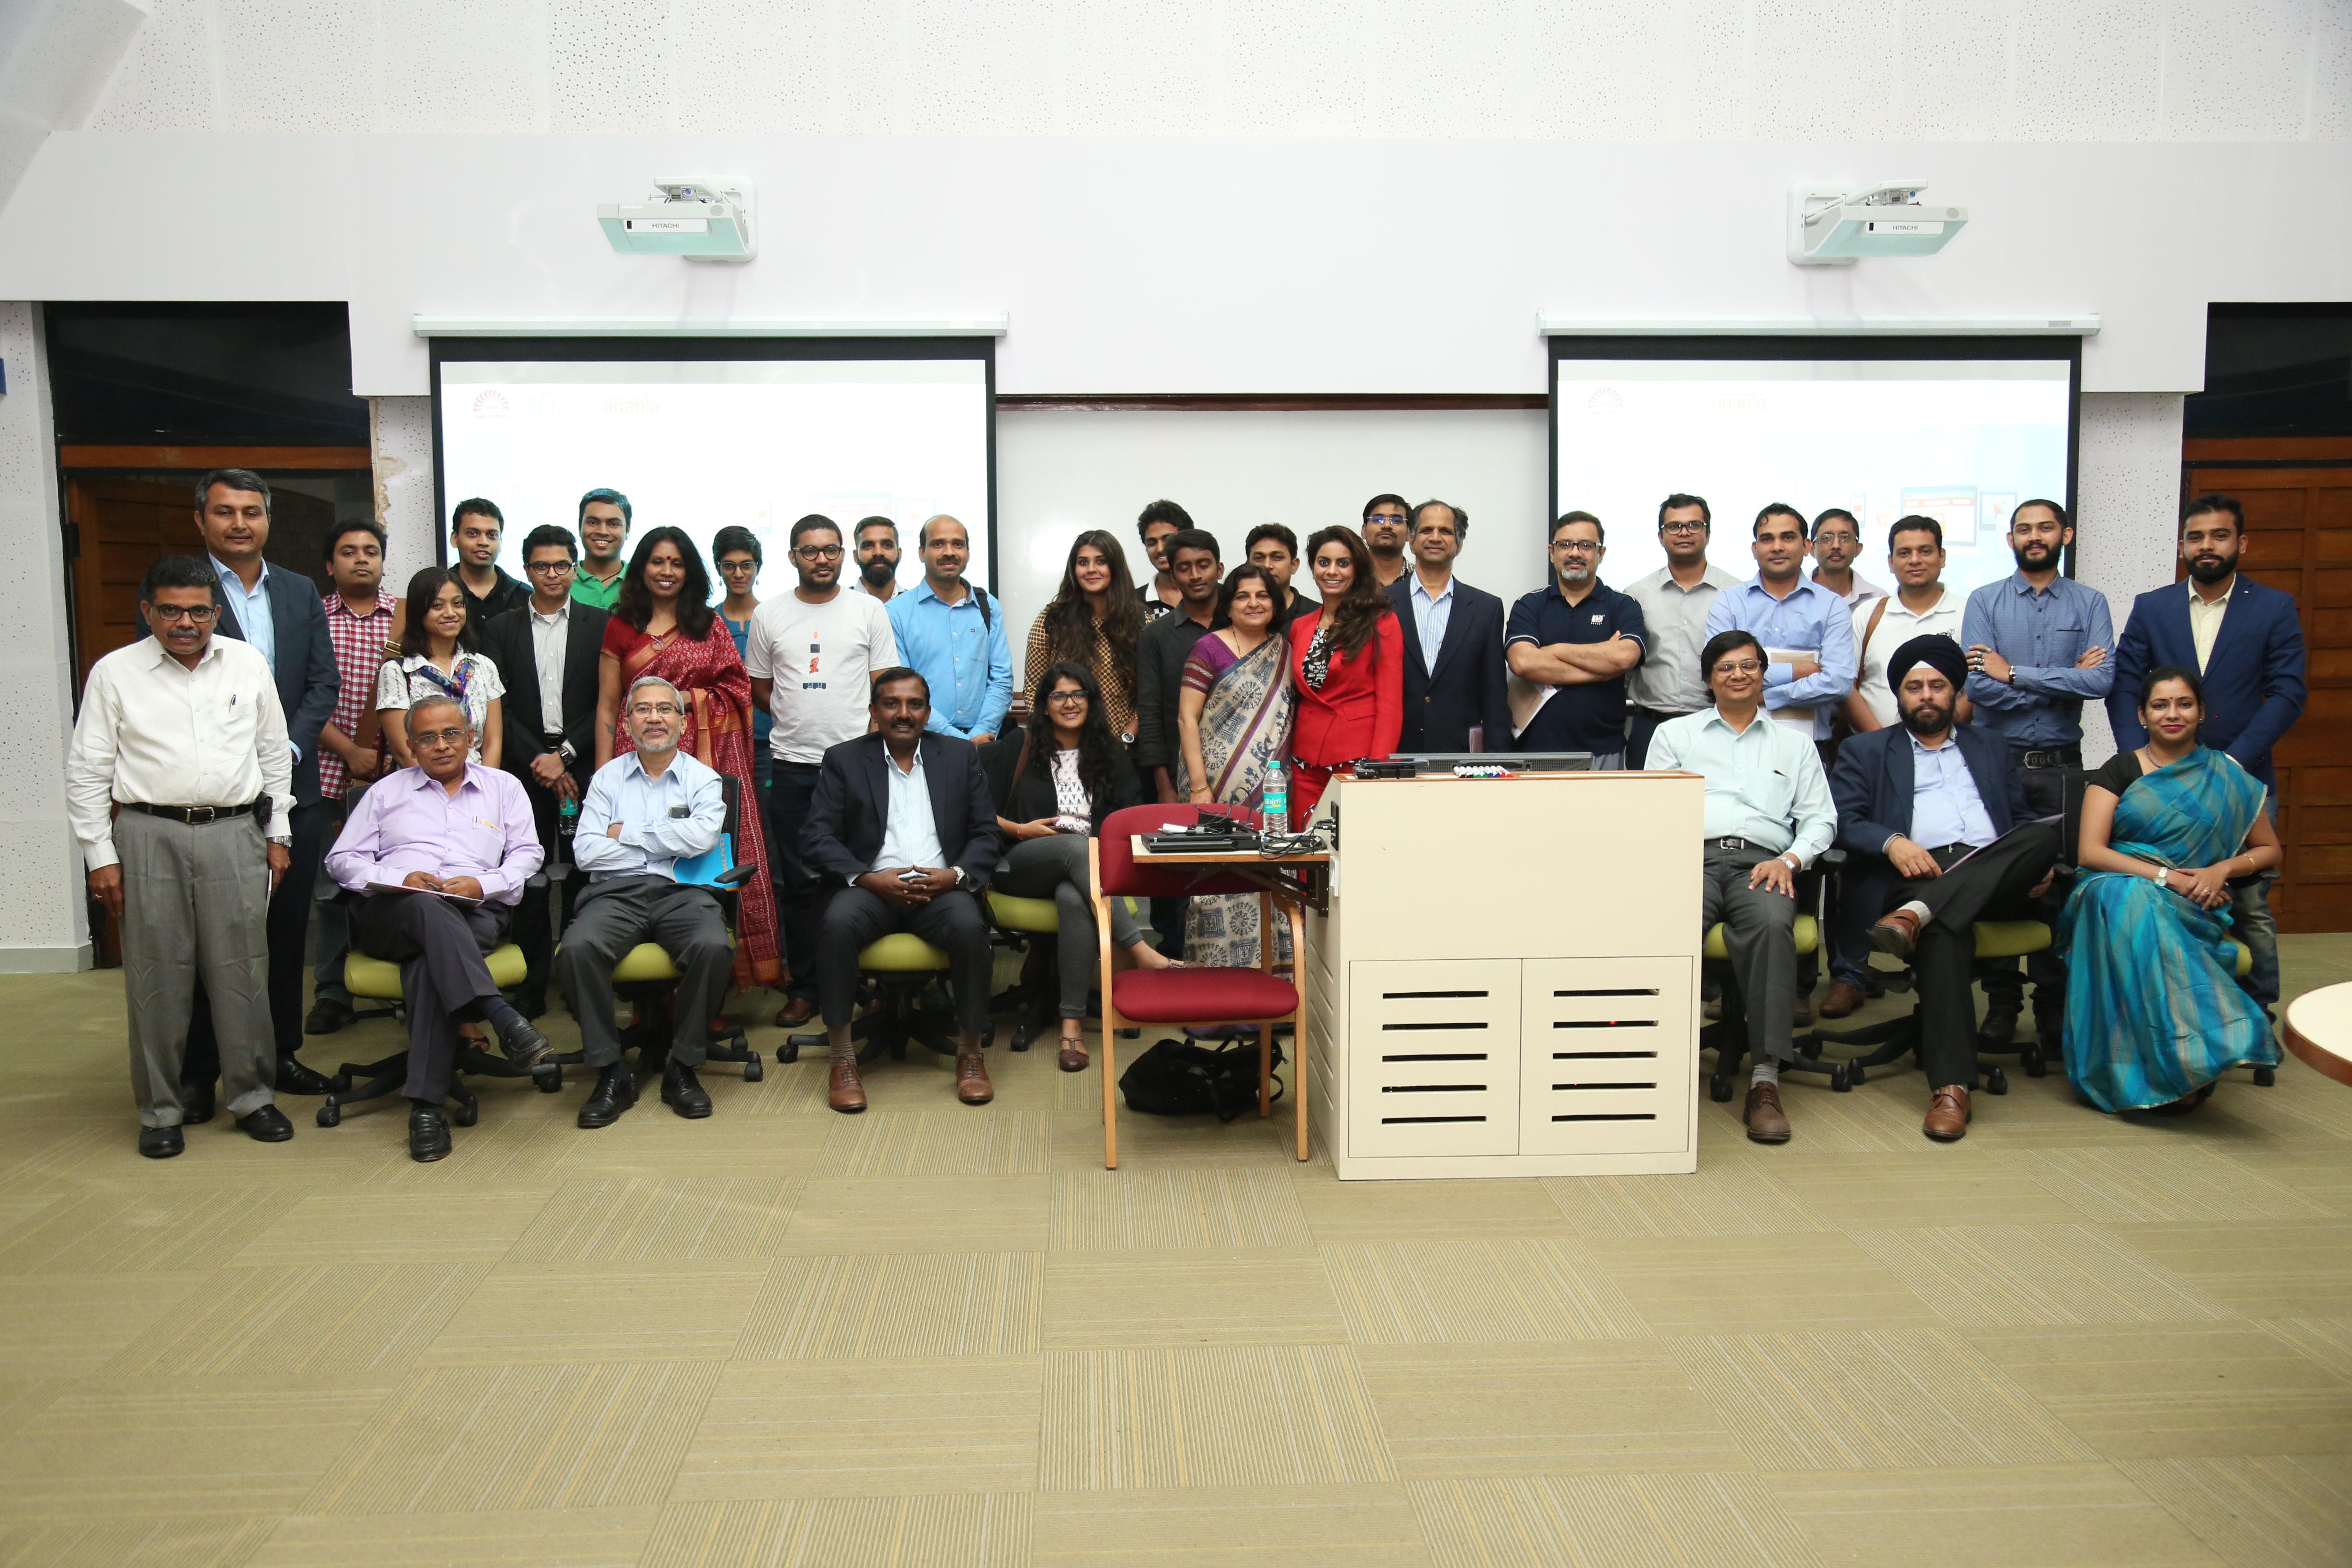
1175, 1078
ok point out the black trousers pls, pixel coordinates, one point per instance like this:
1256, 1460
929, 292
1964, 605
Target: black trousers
439, 947
534, 918
288, 934
950, 921
608, 919
2046, 795
1991, 884
800, 896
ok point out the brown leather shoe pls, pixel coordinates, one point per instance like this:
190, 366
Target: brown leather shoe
1073, 1058
971, 1080
1842, 1000
1802, 1015
1896, 933
1767, 1124
1947, 1114
797, 1011
842, 1090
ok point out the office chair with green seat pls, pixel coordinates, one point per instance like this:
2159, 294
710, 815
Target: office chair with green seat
1029, 924
893, 971
1898, 1038
1727, 1036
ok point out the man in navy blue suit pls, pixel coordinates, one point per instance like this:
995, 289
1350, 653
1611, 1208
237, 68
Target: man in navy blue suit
2246, 640
1931, 812
1453, 677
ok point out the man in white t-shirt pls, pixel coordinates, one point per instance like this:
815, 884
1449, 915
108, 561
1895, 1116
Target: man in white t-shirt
811, 653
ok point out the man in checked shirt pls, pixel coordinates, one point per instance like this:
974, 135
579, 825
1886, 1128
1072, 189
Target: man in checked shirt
360, 623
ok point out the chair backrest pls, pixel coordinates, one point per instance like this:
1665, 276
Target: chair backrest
1123, 872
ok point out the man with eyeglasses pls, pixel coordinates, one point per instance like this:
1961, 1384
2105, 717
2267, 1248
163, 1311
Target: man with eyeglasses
546, 653
1836, 547
1388, 520
436, 856
810, 654
1570, 645
1675, 601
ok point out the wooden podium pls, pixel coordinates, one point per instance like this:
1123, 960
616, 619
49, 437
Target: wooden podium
1505, 979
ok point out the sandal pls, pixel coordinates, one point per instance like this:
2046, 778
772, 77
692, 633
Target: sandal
1072, 1057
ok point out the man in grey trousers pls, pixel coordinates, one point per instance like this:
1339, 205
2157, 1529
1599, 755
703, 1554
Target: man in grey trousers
184, 731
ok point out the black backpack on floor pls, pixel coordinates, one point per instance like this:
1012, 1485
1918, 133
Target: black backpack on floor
1175, 1078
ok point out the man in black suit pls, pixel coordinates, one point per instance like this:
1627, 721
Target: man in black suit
1935, 820
279, 613
1453, 674
902, 819
546, 651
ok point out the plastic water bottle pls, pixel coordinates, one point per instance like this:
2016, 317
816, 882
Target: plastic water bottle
1274, 815
567, 817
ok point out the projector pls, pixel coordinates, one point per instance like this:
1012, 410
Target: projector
702, 220
1832, 225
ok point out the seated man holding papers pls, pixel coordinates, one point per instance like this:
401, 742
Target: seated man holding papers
438, 855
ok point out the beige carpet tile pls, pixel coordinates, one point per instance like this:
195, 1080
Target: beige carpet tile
1190, 1298
1210, 1415
1885, 1399
1159, 1209
1990, 1275
2042, 1516
896, 1304
652, 1141
2179, 1390
512, 1154
1607, 1521
116, 1542
879, 1429
22, 1398
1739, 1282
2300, 1107
918, 1214
690, 1219
2138, 1185
943, 1141
1150, 1142
393, 1227
2268, 1511
1364, 1526
66, 1325
555, 1312
1956, 1185
501, 1438
528, 1537
2316, 1171
56, 1155
17, 1208
937, 1530
1876, 1120
187, 1446
2277, 1270
132, 1229
1338, 1212
1425, 1292
366, 1321
2327, 1341
1518, 1409
1737, 1195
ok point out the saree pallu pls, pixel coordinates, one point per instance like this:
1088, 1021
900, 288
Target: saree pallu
718, 731
2153, 1007
1244, 725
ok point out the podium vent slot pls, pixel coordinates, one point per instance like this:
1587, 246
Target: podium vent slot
1604, 1086
1644, 1116
1594, 1056
1415, 1121
1465, 1024
1481, 1055
1429, 995
1434, 1087
1627, 991
1604, 1022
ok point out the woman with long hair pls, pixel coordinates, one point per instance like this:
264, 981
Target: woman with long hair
1347, 665
439, 656
1054, 786
663, 624
1094, 621
1233, 717
2154, 1015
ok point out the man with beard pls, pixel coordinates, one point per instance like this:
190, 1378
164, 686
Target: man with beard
877, 559
1387, 521
1579, 637
2246, 641
1937, 822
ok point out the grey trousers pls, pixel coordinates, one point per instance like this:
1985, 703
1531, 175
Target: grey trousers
195, 905
1055, 868
439, 947
610, 918
1759, 929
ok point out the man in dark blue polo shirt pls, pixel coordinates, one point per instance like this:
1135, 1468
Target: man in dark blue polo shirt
1573, 643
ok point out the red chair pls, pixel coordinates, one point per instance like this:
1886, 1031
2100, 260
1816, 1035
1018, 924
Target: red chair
1189, 996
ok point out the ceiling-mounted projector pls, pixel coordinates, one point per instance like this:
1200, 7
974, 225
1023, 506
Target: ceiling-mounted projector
1837, 225
702, 220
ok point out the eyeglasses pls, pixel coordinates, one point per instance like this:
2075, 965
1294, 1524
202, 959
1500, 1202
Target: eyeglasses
1837, 539
1579, 546
547, 568
1682, 528
1066, 698
815, 553
743, 568
653, 711
1738, 666
194, 614
456, 737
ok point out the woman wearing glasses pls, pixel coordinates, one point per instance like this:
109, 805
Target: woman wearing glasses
439, 656
736, 551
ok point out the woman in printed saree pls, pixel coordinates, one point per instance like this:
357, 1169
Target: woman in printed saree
1233, 715
2154, 1015
663, 624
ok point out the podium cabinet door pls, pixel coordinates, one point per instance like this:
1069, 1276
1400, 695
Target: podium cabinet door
1433, 1056
1606, 1056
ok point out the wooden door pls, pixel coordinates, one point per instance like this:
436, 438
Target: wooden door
121, 527
2298, 498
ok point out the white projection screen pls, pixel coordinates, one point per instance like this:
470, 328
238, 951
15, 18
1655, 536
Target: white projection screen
1961, 430
705, 433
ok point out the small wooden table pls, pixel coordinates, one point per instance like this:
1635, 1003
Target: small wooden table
1306, 886
2319, 1030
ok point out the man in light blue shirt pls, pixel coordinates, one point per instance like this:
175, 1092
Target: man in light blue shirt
1790, 614
954, 635
253, 610
645, 812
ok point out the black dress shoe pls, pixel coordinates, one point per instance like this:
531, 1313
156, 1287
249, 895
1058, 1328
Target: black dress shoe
529, 1005
294, 1078
161, 1142
615, 1092
196, 1104
266, 1125
524, 1046
428, 1133
683, 1092
1998, 1028
326, 1017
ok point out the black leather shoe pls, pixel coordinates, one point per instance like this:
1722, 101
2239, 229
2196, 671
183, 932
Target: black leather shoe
326, 1017
1999, 1026
683, 1092
615, 1092
293, 1077
428, 1133
525, 1046
530, 1004
161, 1142
266, 1125
196, 1104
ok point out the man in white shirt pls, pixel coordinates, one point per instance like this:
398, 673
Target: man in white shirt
811, 653
185, 730
1675, 601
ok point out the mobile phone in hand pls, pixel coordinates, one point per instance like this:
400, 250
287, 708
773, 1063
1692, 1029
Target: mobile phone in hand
910, 875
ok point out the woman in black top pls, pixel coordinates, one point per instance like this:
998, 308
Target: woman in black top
1053, 789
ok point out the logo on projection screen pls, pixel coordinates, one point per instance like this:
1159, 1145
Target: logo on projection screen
1604, 399
491, 403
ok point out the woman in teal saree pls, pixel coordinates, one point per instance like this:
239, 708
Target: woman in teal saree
2154, 1015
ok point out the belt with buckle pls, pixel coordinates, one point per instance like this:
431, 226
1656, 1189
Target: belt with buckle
1744, 844
2053, 757
193, 815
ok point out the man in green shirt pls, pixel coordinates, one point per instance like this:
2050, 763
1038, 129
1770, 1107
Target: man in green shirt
603, 528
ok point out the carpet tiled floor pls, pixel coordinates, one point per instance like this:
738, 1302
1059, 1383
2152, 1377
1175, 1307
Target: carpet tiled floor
937, 1337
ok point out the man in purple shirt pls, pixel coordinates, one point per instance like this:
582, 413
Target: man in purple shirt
462, 837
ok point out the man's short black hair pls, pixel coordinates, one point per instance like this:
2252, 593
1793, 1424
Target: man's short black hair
1276, 532
1722, 643
476, 506
548, 533
1388, 498
1192, 539
814, 522
896, 672
2212, 502
1564, 518
1161, 512
1461, 519
179, 572
366, 525
235, 480
735, 537
1836, 511
1679, 499
1916, 523
877, 520
1781, 508
2055, 511
607, 494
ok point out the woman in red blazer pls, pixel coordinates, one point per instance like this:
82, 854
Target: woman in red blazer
1347, 665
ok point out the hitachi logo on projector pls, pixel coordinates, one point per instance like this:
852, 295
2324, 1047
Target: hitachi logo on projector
701, 220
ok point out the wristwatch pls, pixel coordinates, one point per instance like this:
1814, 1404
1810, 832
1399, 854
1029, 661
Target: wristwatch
960, 878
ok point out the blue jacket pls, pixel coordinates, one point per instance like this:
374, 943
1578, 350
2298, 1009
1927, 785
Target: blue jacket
2253, 682
1873, 783
308, 679
1469, 685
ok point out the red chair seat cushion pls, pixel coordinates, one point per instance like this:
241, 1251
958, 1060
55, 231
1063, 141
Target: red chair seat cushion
1202, 995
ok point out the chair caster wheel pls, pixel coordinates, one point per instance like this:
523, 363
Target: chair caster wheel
2265, 1076
1854, 1073
1997, 1081
465, 1115
1719, 1090
1843, 1077
754, 1069
789, 1052
331, 1115
2032, 1060
340, 1084
547, 1078
1020, 1036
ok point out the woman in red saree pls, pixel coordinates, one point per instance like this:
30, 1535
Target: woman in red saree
662, 623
